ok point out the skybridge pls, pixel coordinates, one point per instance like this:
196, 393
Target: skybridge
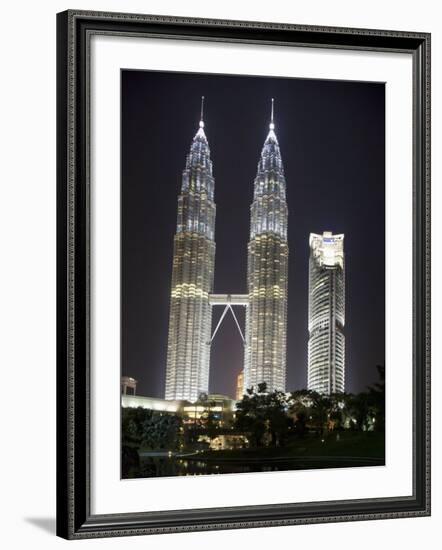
228, 301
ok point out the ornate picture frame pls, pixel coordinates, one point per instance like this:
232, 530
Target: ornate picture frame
74, 517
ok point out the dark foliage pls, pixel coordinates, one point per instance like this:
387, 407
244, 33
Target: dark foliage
147, 429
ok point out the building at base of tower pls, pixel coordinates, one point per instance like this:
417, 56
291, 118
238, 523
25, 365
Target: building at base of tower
326, 344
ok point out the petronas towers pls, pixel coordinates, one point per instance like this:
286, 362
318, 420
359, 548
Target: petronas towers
266, 318
190, 320
192, 298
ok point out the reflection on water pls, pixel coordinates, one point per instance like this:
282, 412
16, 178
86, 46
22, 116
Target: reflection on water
165, 466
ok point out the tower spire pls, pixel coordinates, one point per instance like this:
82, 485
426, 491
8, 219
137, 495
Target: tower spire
202, 112
272, 125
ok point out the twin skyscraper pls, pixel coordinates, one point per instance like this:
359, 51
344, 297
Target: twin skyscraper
192, 298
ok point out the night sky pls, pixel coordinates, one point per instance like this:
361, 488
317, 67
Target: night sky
331, 135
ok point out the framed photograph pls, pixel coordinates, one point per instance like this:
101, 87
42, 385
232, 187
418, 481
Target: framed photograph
243, 274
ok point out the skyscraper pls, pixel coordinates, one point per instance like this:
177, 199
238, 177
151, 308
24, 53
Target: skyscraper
188, 351
326, 345
239, 394
266, 318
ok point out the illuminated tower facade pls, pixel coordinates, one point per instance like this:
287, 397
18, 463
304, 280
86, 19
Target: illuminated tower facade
239, 386
188, 351
266, 318
326, 345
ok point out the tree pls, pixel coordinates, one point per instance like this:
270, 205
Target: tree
131, 420
299, 407
377, 399
250, 419
260, 413
339, 413
359, 406
209, 423
280, 423
150, 429
320, 411
160, 431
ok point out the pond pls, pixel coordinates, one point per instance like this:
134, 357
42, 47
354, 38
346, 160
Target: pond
163, 464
